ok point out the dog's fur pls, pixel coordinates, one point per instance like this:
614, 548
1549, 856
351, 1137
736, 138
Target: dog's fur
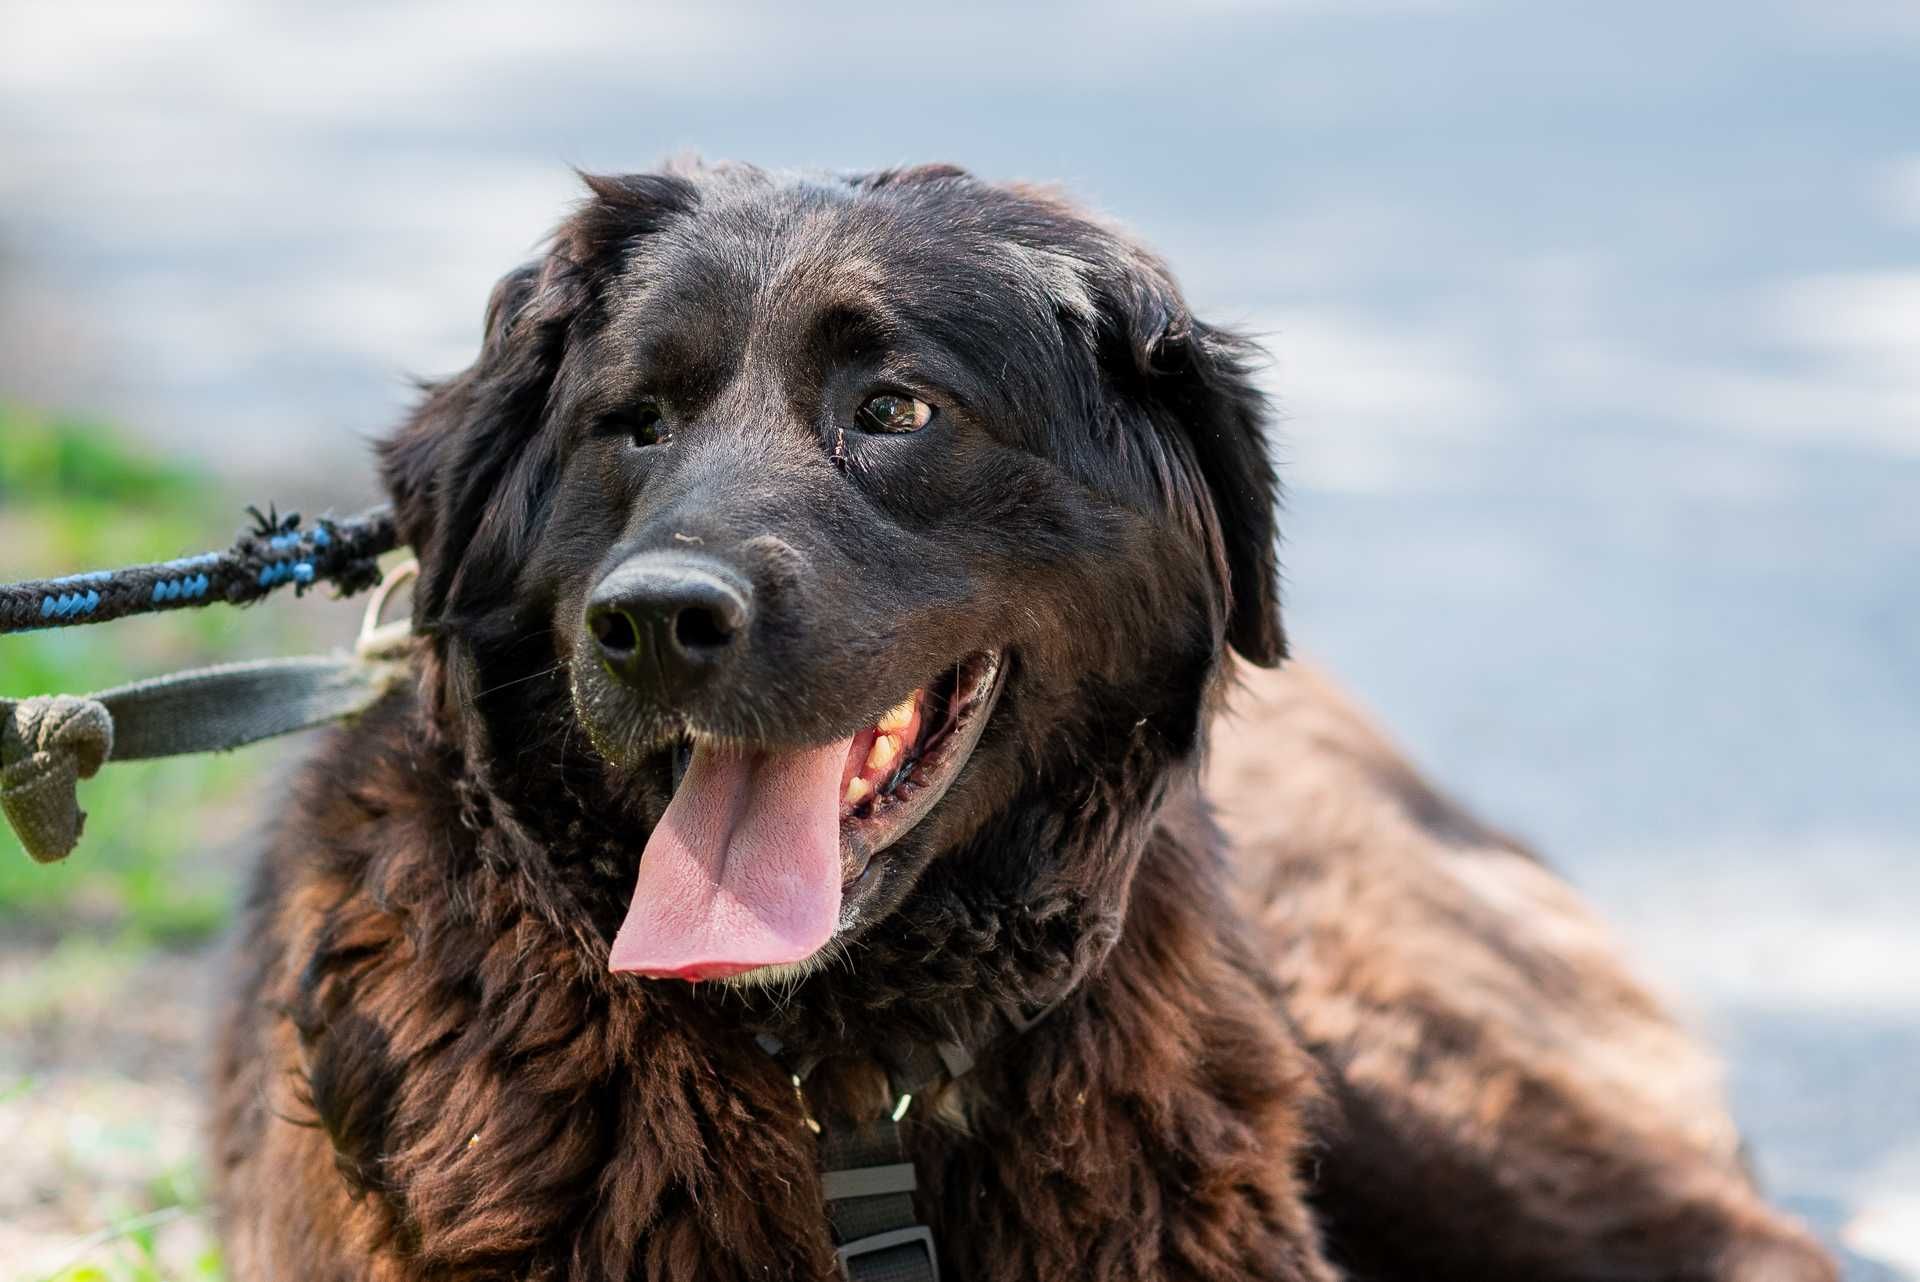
1511, 1101
1376, 1041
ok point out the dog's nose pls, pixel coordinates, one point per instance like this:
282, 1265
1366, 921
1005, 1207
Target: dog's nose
663, 622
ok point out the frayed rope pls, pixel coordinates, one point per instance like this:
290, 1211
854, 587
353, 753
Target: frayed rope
272, 553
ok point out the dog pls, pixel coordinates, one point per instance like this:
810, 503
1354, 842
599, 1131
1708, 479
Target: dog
829, 589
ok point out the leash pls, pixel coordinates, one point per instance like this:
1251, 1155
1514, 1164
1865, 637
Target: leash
274, 553
49, 743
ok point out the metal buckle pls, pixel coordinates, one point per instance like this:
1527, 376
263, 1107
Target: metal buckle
886, 1241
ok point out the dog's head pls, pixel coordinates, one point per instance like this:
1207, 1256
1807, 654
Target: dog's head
885, 525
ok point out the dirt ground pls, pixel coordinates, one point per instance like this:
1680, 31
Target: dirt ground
100, 1048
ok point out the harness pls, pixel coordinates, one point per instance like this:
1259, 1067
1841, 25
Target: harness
49, 743
867, 1176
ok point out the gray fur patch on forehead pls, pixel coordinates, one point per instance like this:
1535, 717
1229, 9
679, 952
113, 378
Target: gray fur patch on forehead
1062, 276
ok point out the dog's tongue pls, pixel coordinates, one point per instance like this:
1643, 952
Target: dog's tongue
743, 869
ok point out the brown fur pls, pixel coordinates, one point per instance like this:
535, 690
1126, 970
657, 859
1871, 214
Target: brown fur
1513, 1102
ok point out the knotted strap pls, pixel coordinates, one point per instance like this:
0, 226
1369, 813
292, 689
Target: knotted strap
48, 744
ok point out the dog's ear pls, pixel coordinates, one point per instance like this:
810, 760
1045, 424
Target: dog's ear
414, 461
448, 460
1201, 379
450, 468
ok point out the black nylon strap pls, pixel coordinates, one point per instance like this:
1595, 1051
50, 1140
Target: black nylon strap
868, 1181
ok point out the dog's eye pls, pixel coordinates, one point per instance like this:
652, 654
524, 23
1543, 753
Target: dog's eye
890, 412
644, 425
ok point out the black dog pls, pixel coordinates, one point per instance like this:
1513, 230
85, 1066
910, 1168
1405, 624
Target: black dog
826, 589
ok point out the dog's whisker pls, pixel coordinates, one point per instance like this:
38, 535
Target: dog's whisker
532, 676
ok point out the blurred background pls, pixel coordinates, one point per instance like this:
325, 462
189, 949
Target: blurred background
1596, 330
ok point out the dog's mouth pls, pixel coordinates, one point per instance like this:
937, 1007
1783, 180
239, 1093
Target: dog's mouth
764, 854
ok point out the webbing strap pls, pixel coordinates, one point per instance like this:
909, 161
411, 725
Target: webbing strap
51, 742
868, 1181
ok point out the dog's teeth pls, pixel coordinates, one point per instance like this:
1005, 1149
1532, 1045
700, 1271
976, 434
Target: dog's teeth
858, 790
885, 751
899, 717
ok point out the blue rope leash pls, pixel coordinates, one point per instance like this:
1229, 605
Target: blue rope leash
270, 555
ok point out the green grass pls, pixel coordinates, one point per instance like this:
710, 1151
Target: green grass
73, 497
156, 865
129, 1250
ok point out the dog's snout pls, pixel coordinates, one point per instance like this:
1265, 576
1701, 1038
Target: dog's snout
664, 622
